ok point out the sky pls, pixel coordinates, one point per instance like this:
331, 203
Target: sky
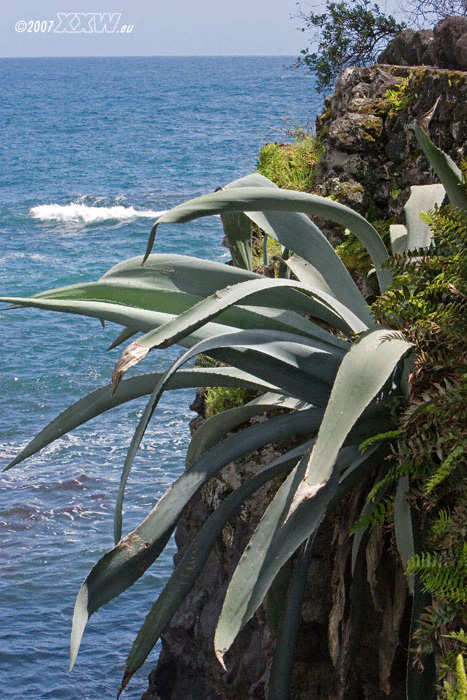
160, 27
31, 28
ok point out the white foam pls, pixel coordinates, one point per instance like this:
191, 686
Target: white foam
87, 215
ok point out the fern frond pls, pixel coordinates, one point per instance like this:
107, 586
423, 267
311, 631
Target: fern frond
450, 464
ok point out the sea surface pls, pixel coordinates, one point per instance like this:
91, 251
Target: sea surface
92, 149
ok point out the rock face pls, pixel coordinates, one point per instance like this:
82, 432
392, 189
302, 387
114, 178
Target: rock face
371, 155
371, 159
444, 46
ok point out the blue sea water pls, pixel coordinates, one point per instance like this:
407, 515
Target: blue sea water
92, 149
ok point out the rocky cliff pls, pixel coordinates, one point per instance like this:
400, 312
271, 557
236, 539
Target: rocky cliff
371, 159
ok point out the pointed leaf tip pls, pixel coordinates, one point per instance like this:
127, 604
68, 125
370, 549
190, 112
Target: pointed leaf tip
130, 357
425, 119
152, 237
125, 680
80, 618
220, 657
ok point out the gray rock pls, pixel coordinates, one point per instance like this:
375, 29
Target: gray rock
443, 47
355, 131
460, 52
409, 48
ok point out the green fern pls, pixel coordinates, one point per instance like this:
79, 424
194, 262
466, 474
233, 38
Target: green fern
377, 516
380, 437
447, 467
460, 636
443, 577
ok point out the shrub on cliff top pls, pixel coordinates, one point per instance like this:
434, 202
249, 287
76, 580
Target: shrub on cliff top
347, 33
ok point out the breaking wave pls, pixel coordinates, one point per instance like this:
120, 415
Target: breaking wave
82, 213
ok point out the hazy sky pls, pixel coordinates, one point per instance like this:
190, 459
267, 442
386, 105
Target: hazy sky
150, 27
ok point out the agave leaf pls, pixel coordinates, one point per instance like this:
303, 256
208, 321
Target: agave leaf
398, 234
445, 168
309, 490
124, 335
192, 319
139, 319
171, 284
236, 606
162, 273
284, 651
297, 357
422, 198
130, 289
215, 428
119, 568
192, 562
259, 563
237, 228
103, 400
184, 280
280, 293
297, 232
361, 376
403, 526
269, 355
254, 199
276, 595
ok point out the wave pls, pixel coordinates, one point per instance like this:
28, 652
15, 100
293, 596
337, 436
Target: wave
82, 213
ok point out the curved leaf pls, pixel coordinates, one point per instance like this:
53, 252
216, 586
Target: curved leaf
103, 400
193, 319
259, 563
128, 560
284, 651
170, 284
215, 428
237, 229
361, 376
296, 231
403, 526
445, 168
289, 358
261, 199
305, 497
139, 319
192, 562
423, 198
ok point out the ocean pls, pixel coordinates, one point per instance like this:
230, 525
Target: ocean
92, 150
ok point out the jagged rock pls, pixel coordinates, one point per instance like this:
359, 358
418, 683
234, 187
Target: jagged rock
408, 48
460, 51
445, 46
355, 131
374, 176
447, 33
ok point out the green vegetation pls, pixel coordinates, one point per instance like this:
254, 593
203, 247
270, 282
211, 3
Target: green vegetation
222, 398
428, 300
292, 166
347, 33
353, 254
399, 97
354, 32
327, 373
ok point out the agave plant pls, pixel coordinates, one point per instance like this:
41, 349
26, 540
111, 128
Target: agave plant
308, 345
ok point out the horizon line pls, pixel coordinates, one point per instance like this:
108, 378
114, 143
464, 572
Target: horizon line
251, 55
